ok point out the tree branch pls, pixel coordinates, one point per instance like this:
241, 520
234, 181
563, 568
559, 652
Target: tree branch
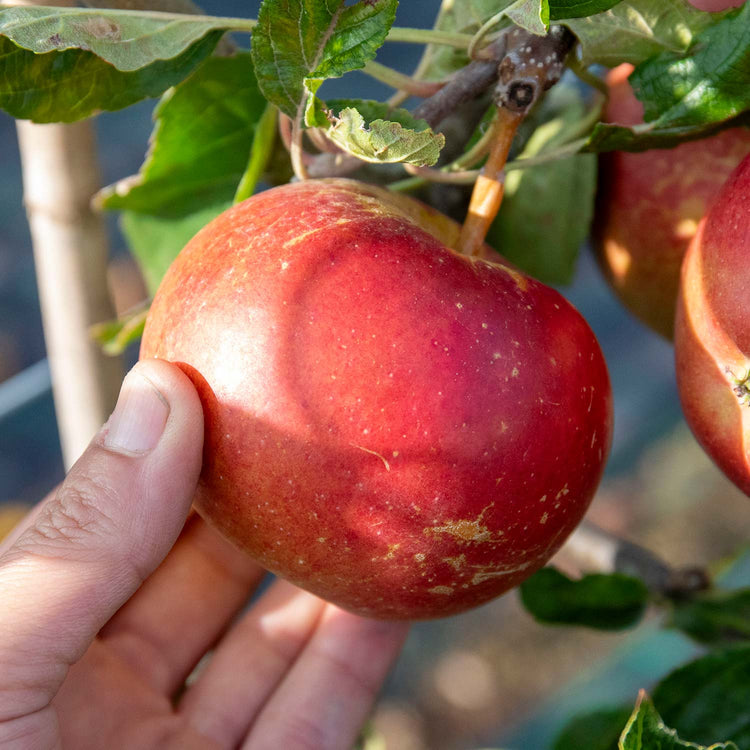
590, 549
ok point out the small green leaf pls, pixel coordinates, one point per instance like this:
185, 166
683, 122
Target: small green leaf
604, 602
363, 131
709, 697
547, 209
201, 144
598, 730
156, 240
297, 44
71, 85
560, 9
114, 336
634, 30
127, 40
645, 730
714, 617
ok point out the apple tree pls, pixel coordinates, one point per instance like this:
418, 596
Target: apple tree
527, 127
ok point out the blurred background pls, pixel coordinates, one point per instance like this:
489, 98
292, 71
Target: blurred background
492, 677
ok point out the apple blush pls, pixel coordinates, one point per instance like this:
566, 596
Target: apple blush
712, 335
402, 430
649, 205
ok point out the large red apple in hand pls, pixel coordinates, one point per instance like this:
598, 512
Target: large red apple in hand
400, 429
712, 334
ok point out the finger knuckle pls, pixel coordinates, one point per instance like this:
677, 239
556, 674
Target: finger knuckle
301, 732
76, 517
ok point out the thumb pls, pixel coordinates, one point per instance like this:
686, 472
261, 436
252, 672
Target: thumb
92, 544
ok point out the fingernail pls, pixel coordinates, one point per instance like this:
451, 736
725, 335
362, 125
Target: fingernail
139, 418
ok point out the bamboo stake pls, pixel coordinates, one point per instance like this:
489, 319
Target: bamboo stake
60, 174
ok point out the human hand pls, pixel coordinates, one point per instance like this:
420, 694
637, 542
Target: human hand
107, 604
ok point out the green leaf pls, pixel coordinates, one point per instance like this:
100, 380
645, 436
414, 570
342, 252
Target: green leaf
201, 143
646, 731
715, 617
644, 137
532, 15
375, 133
156, 240
127, 40
547, 209
71, 85
297, 44
598, 730
688, 96
560, 9
712, 85
709, 698
261, 153
467, 16
604, 602
634, 30
114, 336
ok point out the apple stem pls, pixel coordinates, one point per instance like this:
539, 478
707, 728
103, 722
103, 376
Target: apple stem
490, 184
297, 152
590, 549
291, 136
530, 65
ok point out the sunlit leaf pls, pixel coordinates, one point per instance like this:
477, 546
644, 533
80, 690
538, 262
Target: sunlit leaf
128, 40
689, 96
114, 336
559, 9
645, 730
297, 44
204, 132
71, 85
634, 30
374, 133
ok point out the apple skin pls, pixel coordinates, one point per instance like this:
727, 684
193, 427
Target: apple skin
715, 5
649, 205
712, 333
402, 430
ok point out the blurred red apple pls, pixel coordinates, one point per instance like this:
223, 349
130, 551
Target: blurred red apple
712, 334
650, 203
400, 429
716, 5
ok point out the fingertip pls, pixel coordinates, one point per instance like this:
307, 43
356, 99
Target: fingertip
175, 387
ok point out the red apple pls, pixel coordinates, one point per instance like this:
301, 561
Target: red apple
400, 429
712, 334
650, 203
716, 5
